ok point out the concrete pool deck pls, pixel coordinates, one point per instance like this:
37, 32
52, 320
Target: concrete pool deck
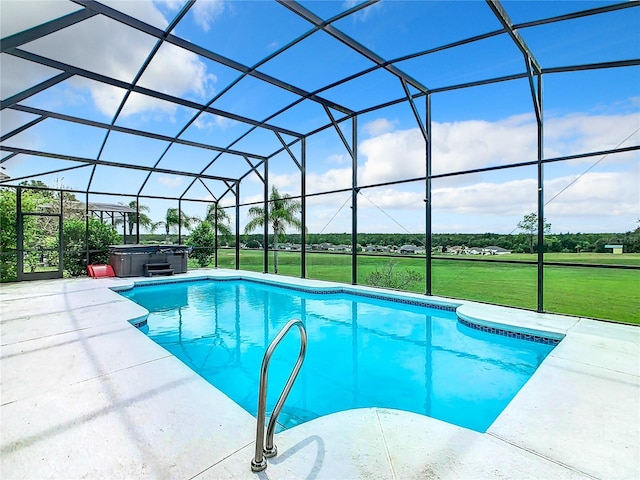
84, 394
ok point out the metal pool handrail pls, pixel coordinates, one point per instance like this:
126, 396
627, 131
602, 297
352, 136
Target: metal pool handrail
259, 461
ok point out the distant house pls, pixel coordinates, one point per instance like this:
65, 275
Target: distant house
615, 249
493, 250
408, 250
457, 249
490, 250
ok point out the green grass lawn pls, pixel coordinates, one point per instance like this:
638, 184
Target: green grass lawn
610, 294
631, 259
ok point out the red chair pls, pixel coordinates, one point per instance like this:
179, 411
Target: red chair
100, 271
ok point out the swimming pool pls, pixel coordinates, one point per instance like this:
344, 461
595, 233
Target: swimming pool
363, 351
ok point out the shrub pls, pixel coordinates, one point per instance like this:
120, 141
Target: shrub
100, 237
203, 239
388, 277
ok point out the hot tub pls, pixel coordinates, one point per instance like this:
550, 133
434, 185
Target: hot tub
130, 260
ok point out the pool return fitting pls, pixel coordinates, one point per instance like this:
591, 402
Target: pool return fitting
268, 449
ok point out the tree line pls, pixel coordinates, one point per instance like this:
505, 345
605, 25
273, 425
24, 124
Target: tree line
517, 243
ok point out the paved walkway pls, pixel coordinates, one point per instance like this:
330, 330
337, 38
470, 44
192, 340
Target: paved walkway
84, 394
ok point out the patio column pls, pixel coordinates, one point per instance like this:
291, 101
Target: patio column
539, 119
265, 233
354, 201
215, 236
303, 208
137, 220
427, 199
237, 225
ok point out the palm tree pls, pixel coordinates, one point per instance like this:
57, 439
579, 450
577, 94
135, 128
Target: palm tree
173, 219
282, 213
133, 218
218, 217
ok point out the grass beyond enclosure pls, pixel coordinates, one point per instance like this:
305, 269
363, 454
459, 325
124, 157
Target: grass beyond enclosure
604, 293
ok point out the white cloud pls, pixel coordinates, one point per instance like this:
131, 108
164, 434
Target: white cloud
338, 158
173, 5
272, 46
486, 198
170, 181
99, 44
145, 11
177, 71
228, 202
17, 75
362, 15
474, 144
601, 193
578, 133
252, 198
332, 179
112, 49
207, 121
329, 214
478, 143
392, 156
378, 126
287, 183
604, 199
332, 201
390, 198
105, 97
19, 15
11, 119
206, 12
598, 193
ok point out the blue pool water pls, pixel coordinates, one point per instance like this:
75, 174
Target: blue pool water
362, 352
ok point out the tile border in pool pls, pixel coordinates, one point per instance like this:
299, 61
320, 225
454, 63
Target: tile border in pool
510, 334
139, 323
537, 336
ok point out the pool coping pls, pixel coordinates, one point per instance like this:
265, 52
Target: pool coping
471, 314
593, 374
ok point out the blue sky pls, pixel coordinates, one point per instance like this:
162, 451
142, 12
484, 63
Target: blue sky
472, 128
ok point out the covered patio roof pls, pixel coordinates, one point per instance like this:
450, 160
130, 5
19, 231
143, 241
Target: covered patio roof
208, 93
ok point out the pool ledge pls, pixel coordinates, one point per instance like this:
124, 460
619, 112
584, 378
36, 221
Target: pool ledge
503, 319
389, 444
67, 347
516, 320
302, 284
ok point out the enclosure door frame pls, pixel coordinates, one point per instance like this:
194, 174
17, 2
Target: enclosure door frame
44, 275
